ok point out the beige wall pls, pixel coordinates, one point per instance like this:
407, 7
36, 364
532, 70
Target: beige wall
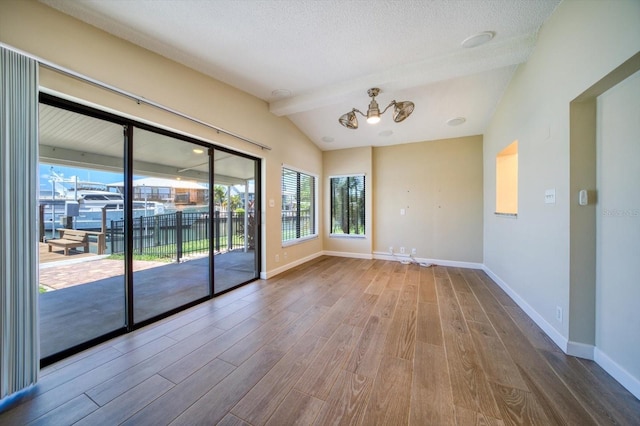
44, 32
348, 162
580, 44
439, 186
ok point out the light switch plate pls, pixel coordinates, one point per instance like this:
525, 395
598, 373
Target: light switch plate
550, 196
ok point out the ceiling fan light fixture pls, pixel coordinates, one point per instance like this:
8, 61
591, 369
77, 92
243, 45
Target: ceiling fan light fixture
401, 111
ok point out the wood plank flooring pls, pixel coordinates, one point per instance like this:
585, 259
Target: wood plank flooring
334, 341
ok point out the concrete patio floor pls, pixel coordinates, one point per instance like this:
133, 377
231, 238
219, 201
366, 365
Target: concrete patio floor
89, 298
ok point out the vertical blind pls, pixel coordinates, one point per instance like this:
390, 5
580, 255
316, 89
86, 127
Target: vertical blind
298, 205
19, 354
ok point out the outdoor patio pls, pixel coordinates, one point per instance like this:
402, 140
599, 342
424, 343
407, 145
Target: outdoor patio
88, 292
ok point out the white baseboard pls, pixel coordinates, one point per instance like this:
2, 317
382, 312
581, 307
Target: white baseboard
272, 273
581, 350
375, 255
367, 256
631, 383
550, 331
440, 262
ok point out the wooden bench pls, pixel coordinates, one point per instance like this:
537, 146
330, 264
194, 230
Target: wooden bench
70, 238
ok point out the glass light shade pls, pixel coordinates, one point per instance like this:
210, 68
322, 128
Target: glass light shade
349, 120
402, 110
373, 119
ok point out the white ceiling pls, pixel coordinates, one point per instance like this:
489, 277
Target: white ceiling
327, 53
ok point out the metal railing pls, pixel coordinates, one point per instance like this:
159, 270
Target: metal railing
176, 235
294, 226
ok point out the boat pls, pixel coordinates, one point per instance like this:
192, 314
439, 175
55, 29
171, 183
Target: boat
85, 201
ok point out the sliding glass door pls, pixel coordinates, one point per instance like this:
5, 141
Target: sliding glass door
135, 223
235, 219
171, 225
82, 280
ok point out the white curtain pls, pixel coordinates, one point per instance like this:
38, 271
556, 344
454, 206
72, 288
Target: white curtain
19, 347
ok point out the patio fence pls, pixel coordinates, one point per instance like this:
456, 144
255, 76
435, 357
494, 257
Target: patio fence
296, 225
178, 234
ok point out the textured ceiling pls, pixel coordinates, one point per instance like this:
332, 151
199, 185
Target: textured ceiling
326, 54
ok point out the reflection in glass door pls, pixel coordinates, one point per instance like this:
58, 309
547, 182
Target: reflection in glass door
235, 219
135, 223
171, 227
81, 279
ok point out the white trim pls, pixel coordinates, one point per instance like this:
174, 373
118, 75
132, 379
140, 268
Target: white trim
347, 236
272, 273
581, 350
330, 196
347, 175
298, 170
380, 255
618, 372
550, 331
300, 240
367, 256
316, 207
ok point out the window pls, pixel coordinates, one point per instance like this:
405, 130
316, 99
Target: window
298, 205
348, 205
507, 180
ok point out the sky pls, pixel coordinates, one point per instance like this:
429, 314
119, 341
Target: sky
86, 175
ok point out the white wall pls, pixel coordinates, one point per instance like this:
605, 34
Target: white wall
618, 226
579, 44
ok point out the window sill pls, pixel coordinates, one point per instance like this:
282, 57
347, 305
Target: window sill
506, 215
299, 240
348, 236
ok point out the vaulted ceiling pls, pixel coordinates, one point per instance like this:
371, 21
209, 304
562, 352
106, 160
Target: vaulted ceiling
313, 61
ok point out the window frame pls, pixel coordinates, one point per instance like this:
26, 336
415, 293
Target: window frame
313, 210
364, 206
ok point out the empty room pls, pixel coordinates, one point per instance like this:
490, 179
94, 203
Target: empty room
278, 212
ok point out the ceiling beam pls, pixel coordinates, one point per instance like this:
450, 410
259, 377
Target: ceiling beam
463, 62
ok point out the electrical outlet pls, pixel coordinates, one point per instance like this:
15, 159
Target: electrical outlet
414, 251
559, 313
401, 250
277, 258
391, 249
285, 255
